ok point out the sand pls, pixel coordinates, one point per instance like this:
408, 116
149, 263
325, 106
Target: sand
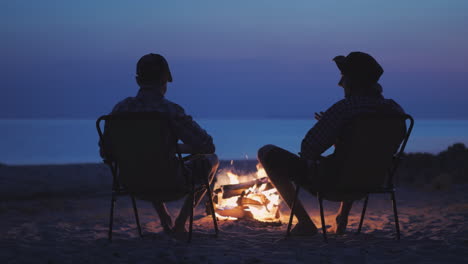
59, 214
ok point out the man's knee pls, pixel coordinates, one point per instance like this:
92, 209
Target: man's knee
213, 158
263, 152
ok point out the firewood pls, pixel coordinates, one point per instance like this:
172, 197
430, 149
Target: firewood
237, 189
237, 212
244, 185
232, 193
248, 201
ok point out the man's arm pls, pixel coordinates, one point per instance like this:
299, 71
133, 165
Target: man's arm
196, 140
323, 134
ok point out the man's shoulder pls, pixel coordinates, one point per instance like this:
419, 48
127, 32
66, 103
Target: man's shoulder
364, 103
365, 100
352, 101
124, 105
394, 105
390, 101
356, 104
173, 108
136, 104
166, 101
339, 105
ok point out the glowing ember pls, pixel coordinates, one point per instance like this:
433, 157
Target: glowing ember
246, 196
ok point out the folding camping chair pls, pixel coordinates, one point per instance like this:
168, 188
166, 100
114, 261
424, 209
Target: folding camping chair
366, 158
140, 149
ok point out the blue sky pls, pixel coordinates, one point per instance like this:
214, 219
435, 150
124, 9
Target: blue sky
230, 59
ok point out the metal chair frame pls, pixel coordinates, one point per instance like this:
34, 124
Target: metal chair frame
389, 189
119, 190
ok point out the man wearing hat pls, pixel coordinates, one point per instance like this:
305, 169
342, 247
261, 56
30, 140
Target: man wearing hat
360, 73
152, 76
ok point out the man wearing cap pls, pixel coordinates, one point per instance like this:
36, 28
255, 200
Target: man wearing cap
152, 76
360, 73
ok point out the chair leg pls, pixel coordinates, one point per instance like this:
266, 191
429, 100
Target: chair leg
293, 207
191, 215
213, 214
363, 214
135, 210
113, 169
322, 218
395, 212
111, 218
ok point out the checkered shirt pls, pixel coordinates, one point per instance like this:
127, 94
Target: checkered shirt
326, 131
184, 126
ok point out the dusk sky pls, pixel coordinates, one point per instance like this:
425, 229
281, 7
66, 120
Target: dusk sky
230, 59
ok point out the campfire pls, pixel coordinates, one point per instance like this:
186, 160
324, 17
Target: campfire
249, 196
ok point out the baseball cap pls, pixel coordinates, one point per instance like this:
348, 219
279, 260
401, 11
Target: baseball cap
152, 67
359, 65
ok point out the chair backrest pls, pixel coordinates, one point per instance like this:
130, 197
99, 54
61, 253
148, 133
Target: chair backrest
368, 151
143, 146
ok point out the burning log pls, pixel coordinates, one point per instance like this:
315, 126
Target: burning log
237, 212
231, 190
245, 185
248, 201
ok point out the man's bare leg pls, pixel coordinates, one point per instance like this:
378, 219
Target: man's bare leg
287, 191
184, 214
179, 226
342, 217
164, 216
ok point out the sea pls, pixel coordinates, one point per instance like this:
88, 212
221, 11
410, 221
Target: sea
55, 141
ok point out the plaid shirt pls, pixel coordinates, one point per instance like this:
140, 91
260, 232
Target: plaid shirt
326, 131
184, 126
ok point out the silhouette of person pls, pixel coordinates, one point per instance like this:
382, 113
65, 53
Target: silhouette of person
360, 73
152, 76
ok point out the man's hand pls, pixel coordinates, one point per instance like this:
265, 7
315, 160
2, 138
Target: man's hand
318, 115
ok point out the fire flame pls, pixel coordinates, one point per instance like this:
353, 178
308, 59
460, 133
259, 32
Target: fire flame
262, 203
233, 178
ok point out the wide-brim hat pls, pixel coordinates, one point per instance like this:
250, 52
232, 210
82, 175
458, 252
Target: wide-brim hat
359, 65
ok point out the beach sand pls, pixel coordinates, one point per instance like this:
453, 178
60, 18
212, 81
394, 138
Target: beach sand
59, 214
